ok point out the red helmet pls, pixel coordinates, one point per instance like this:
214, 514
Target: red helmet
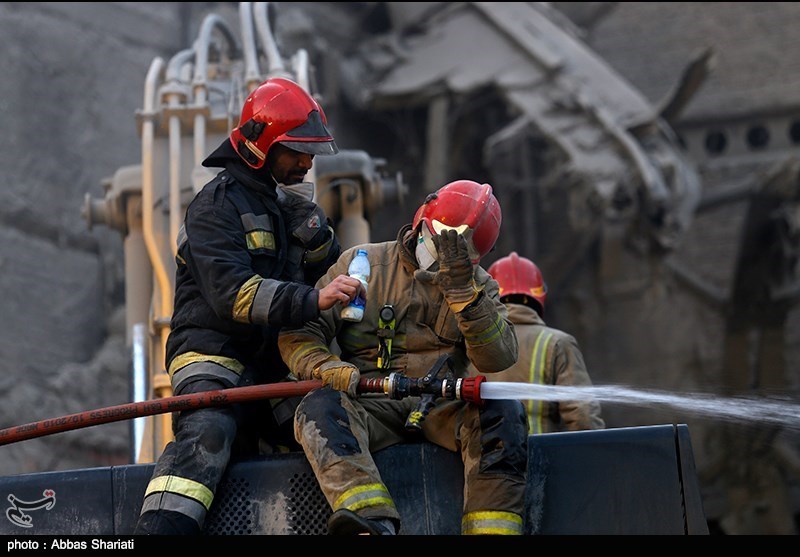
280, 111
519, 276
467, 206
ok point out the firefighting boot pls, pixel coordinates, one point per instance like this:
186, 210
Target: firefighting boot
347, 523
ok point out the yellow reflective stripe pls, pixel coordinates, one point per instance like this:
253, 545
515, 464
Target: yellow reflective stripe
304, 350
244, 299
260, 239
355, 339
184, 360
181, 486
319, 254
371, 502
372, 495
498, 523
490, 334
536, 377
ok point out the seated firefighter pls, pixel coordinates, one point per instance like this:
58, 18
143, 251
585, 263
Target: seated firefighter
547, 356
442, 303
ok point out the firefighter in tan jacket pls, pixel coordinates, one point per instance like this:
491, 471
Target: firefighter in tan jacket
442, 302
547, 356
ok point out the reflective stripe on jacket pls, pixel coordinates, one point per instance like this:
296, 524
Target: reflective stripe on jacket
548, 356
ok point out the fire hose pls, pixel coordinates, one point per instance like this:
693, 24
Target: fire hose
430, 388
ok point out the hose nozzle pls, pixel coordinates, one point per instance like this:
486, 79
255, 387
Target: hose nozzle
399, 386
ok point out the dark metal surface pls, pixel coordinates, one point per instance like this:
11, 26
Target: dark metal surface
614, 481
639, 480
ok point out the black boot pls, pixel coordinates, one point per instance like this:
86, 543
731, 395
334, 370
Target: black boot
166, 523
347, 523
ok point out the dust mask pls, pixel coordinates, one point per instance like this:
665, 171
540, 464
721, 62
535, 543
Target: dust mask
425, 259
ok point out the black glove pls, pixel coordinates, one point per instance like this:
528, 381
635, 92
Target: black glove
456, 278
305, 220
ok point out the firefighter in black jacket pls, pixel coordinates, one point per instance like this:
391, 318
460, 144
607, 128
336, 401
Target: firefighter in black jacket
252, 246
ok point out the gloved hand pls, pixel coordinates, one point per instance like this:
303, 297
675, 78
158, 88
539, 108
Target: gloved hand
305, 220
342, 376
456, 276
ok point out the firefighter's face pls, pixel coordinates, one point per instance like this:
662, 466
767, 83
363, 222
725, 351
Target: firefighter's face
287, 165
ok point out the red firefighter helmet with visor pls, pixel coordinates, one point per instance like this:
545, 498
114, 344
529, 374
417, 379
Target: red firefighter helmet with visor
280, 111
519, 276
466, 206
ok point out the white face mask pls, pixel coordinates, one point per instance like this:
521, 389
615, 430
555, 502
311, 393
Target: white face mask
303, 189
425, 258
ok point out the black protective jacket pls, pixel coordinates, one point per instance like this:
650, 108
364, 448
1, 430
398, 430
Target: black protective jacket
241, 275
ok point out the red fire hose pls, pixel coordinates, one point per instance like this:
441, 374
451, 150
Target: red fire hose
396, 386
156, 406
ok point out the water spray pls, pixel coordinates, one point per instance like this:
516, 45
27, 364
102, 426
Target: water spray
782, 410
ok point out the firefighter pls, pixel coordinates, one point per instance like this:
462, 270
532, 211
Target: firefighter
548, 356
252, 246
442, 303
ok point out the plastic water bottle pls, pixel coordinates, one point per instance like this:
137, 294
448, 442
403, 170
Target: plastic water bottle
359, 268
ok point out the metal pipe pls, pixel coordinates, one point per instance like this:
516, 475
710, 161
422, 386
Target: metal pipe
302, 72
175, 101
353, 228
174, 181
148, 198
163, 308
252, 74
302, 69
274, 59
200, 80
138, 269
140, 383
200, 99
176, 65
203, 45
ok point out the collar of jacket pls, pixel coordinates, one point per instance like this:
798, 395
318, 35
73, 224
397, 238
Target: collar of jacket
248, 179
407, 240
523, 315
221, 156
226, 157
